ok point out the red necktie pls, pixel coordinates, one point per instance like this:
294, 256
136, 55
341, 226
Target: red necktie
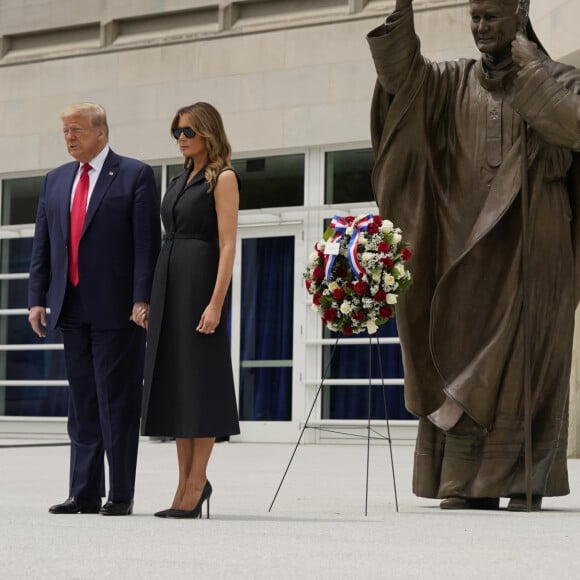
77, 219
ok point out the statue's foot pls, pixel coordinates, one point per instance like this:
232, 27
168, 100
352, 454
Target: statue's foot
454, 503
470, 503
519, 504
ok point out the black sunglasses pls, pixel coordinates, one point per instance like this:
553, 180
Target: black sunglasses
187, 131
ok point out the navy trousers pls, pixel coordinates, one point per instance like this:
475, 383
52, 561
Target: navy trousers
105, 374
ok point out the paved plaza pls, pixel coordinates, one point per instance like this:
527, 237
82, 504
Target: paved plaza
316, 529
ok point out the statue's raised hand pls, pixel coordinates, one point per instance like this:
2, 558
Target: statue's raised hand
402, 4
524, 51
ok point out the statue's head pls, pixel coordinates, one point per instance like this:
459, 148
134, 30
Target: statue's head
494, 24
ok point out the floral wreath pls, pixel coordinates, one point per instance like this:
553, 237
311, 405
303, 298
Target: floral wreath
357, 273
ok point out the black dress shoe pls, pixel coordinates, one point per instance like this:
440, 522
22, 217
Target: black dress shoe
117, 508
77, 505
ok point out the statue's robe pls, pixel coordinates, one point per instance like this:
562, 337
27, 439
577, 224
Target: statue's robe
447, 142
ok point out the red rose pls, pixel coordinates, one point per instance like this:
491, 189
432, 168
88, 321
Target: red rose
308, 284
386, 312
318, 273
406, 254
380, 296
388, 263
360, 288
357, 315
330, 314
316, 299
338, 294
347, 330
373, 228
377, 219
384, 247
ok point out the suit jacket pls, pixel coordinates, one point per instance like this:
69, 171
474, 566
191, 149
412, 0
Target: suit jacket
118, 246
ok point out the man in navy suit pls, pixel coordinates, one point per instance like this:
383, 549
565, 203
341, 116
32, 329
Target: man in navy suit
94, 270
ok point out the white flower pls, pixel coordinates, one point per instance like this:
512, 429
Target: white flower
321, 245
372, 326
389, 279
376, 276
391, 298
387, 226
332, 326
362, 240
349, 231
333, 286
313, 257
345, 308
398, 271
366, 257
396, 239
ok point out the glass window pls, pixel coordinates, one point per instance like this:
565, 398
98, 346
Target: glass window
14, 329
271, 181
267, 329
157, 173
15, 257
352, 401
172, 171
20, 199
348, 176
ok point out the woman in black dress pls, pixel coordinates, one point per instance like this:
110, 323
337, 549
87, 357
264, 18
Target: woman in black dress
189, 388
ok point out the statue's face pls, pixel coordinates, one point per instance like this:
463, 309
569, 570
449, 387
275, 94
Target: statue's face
494, 24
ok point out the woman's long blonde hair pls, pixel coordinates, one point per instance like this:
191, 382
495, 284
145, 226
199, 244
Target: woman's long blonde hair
206, 121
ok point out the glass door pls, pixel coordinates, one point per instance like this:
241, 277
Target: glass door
265, 345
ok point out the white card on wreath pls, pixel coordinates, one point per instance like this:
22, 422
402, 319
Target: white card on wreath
332, 248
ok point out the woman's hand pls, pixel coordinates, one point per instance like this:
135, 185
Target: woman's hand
140, 314
209, 320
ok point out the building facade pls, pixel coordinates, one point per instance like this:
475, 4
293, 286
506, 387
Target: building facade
293, 80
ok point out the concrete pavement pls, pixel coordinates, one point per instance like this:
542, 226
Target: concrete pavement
317, 528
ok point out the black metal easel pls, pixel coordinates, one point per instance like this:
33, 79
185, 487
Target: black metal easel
377, 435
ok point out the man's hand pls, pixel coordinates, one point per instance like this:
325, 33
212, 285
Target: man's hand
37, 319
402, 4
524, 51
140, 314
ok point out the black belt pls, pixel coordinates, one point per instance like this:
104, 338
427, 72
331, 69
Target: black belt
173, 236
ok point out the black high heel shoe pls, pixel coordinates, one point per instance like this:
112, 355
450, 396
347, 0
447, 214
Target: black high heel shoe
196, 511
162, 513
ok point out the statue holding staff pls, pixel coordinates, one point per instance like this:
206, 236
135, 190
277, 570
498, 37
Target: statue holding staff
457, 144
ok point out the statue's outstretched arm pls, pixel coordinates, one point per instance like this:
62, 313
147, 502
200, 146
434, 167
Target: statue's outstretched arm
395, 47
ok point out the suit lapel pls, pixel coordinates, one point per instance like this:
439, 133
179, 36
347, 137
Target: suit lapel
64, 200
106, 177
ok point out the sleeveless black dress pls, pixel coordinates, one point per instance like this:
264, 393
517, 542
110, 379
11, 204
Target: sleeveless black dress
189, 386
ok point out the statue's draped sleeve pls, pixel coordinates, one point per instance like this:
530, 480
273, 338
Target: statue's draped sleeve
399, 125
550, 106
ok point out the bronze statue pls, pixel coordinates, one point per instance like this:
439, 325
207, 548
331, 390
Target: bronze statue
448, 140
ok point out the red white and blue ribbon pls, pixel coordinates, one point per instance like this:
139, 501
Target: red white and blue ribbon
340, 225
360, 225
